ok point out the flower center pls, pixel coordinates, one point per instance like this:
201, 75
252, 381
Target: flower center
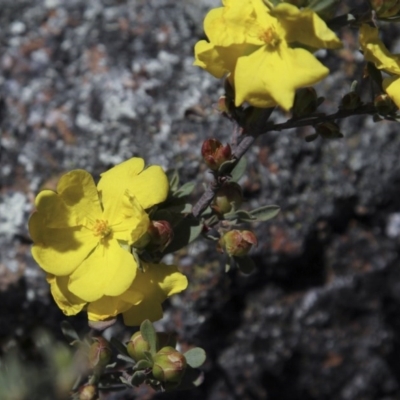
101, 228
270, 37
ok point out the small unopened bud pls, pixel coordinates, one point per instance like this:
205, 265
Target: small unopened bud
329, 130
222, 105
88, 392
305, 102
228, 198
386, 8
384, 104
169, 365
350, 101
215, 154
99, 353
137, 346
161, 235
237, 243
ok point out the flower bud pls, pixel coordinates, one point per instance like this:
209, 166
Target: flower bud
386, 8
169, 365
99, 353
88, 392
228, 198
137, 346
384, 104
328, 130
350, 101
161, 235
305, 102
215, 154
222, 105
237, 243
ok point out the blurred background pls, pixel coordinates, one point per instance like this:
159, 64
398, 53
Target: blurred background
88, 84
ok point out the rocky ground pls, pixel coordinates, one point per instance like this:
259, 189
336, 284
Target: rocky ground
88, 84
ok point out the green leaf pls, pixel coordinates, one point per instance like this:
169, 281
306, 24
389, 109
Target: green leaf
185, 189
227, 166
120, 347
195, 357
138, 378
245, 264
184, 208
265, 213
69, 332
191, 379
187, 230
239, 170
148, 355
143, 364
149, 335
240, 215
126, 359
173, 179
375, 74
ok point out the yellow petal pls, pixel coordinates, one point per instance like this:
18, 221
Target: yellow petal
156, 283
208, 58
275, 75
130, 222
233, 24
148, 309
392, 88
108, 271
305, 26
59, 251
150, 187
108, 306
66, 301
79, 194
376, 52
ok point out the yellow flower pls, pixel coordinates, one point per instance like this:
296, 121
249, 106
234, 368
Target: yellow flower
82, 234
376, 52
253, 43
142, 300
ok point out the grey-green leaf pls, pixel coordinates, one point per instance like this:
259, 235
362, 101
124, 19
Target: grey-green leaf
149, 335
173, 179
138, 378
265, 213
239, 170
120, 347
185, 189
185, 231
195, 357
143, 364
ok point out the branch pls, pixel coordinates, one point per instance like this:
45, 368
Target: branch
251, 135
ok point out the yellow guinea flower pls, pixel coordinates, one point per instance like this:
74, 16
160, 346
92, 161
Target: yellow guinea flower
255, 43
83, 233
376, 52
142, 300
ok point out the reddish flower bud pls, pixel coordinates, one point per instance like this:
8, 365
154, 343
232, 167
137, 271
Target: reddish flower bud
384, 104
215, 154
161, 235
228, 198
222, 106
305, 102
350, 101
169, 365
99, 353
237, 243
88, 392
137, 346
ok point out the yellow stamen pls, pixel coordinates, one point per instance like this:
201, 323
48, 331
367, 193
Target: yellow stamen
101, 228
270, 37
